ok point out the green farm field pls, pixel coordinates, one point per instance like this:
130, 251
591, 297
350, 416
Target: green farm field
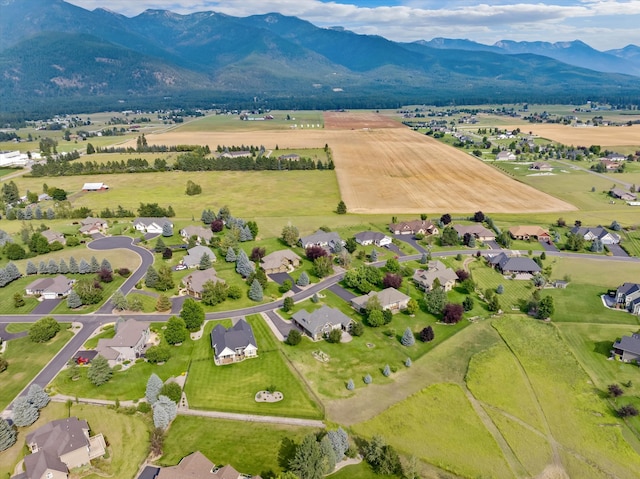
233, 122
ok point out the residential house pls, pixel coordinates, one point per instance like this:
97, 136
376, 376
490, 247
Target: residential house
628, 348
390, 299
94, 187
13, 158
477, 230
513, 264
366, 238
541, 166
321, 322
203, 235
235, 154
91, 225
194, 282
528, 232
616, 157
151, 225
414, 227
622, 194
628, 297
60, 446
590, 233
194, 255
280, 261
322, 238
52, 236
50, 288
234, 344
505, 156
44, 197
424, 278
610, 165
291, 156
128, 344
197, 466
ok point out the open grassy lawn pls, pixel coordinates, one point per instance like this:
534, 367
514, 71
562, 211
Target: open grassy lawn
106, 332
107, 288
251, 448
515, 290
233, 122
595, 272
18, 286
577, 416
126, 384
433, 425
233, 387
8, 171
26, 359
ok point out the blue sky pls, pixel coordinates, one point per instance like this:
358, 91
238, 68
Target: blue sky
604, 24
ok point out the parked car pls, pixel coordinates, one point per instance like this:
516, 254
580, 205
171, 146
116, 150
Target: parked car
180, 267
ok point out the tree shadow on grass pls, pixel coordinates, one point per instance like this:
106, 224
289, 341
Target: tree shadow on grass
286, 453
603, 347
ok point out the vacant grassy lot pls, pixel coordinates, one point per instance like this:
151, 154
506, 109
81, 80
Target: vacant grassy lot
578, 418
26, 359
233, 387
603, 135
596, 272
251, 448
213, 123
432, 425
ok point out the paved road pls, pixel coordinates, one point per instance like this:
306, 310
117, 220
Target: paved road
7, 336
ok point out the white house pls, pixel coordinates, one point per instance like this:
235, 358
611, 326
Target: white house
366, 238
50, 288
94, 187
151, 225
13, 158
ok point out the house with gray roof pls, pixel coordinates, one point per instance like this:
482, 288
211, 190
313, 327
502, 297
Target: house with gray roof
202, 234
194, 282
234, 344
52, 236
50, 288
194, 255
92, 225
390, 299
151, 225
514, 264
623, 194
128, 344
197, 466
628, 297
366, 238
322, 238
590, 233
424, 278
321, 322
60, 446
628, 348
478, 231
414, 227
280, 261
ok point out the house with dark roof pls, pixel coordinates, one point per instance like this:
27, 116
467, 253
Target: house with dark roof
390, 299
513, 264
197, 466
151, 225
60, 446
366, 238
202, 234
194, 255
128, 343
424, 278
321, 322
628, 348
478, 231
52, 236
327, 240
628, 297
50, 288
414, 227
280, 261
541, 166
590, 233
234, 344
91, 225
194, 282
622, 194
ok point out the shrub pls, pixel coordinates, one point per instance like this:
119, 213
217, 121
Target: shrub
408, 362
124, 272
628, 410
350, 385
158, 354
357, 329
172, 390
427, 334
144, 407
43, 330
4, 364
335, 336
294, 337
615, 390
500, 289
386, 371
367, 379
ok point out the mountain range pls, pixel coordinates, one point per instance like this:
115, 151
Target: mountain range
57, 57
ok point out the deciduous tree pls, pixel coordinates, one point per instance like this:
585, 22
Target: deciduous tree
43, 330
192, 314
176, 331
290, 235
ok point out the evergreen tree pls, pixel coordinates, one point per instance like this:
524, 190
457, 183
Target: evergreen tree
73, 300
50, 214
245, 234
328, 455
84, 267
339, 442
73, 266
253, 228
231, 255
342, 208
169, 411
38, 213
151, 278
37, 396
119, 301
165, 278
243, 266
192, 314
154, 385
24, 413
407, 338
255, 292
287, 305
99, 371
408, 362
167, 230
42, 267
176, 331
12, 271
350, 385
62, 267
160, 246
95, 266
374, 256
424, 259
303, 280
52, 267
205, 261
308, 461
8, 435
386, 371
31, 268
163, 303
367, 379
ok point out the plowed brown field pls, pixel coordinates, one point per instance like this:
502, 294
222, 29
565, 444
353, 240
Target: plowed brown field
586, 136
393, 170
342, 120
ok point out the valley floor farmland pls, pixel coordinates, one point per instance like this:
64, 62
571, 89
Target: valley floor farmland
392, 170
585, 136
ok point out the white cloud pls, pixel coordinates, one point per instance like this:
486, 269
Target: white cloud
413, 20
